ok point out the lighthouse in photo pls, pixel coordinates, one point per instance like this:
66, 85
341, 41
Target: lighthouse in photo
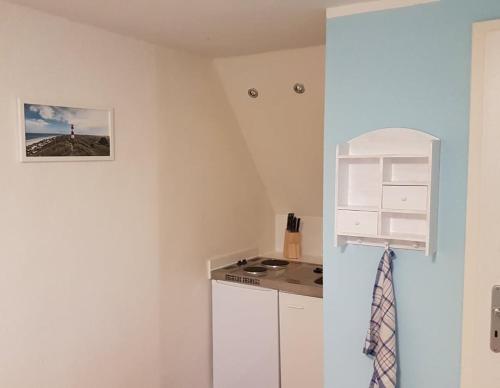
72, 132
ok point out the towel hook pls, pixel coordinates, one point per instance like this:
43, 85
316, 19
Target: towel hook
388, 249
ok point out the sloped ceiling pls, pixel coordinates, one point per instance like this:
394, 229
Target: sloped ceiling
283, 129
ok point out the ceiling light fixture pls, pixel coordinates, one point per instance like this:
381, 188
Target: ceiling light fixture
299, 88
254, 93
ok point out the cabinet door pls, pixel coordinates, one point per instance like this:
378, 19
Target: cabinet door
301, 341
245, 336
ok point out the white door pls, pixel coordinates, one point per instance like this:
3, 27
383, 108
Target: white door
480, 365
301, 341
245, 336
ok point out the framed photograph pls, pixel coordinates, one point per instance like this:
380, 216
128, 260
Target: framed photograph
61, 133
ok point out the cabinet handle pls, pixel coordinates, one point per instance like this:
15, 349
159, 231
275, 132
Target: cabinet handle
404, 199
292, 306
357, 223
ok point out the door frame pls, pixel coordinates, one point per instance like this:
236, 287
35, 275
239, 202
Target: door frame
472, 239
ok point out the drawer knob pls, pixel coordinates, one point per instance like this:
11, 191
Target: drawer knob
404, 199
357, 223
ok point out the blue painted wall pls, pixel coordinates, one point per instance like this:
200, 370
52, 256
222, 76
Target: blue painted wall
407, 67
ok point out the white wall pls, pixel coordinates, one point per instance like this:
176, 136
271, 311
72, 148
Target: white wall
213, 203
283, 130
102, 280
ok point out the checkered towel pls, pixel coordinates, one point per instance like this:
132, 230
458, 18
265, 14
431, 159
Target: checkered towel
381, 338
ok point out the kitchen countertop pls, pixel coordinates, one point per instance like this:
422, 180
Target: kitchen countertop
298, 277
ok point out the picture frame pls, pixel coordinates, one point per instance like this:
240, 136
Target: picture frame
51, 132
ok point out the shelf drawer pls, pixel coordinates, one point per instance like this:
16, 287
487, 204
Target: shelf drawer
405, 197
357, 222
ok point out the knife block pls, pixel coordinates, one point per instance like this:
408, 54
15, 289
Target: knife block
292, 245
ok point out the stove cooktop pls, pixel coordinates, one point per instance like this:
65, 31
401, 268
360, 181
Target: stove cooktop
289, 276
275, 263
257, 271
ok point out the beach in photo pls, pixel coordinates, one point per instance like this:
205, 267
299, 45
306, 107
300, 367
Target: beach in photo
56, 131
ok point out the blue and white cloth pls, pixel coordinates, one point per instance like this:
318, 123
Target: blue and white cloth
381, 338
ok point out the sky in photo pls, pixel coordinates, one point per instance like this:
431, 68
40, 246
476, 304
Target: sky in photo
49, 119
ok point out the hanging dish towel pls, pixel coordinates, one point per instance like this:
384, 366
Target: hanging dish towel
381, 338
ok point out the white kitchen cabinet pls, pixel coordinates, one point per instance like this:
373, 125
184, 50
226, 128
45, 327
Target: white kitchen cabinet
245, 336
301, 341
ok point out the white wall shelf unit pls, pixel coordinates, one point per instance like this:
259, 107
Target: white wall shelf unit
387, 190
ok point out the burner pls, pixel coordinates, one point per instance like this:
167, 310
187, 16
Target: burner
255, 270
275, 263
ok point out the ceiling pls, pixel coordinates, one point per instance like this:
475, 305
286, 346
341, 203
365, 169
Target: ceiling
214, 28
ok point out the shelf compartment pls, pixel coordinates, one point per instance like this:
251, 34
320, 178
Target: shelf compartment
358, 182
397, 169
403, 226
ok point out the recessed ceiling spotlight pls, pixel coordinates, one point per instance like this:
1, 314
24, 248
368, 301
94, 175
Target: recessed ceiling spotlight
299, 88
254, 93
